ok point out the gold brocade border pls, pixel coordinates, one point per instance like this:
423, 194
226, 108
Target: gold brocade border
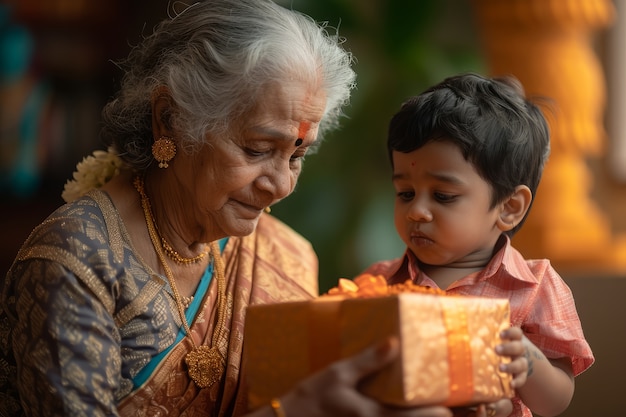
148, 292
111, 221
70, 261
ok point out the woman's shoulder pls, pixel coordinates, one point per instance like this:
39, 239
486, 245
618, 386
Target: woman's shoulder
84, 239
78, 237
79, 222
279, 253
274, 232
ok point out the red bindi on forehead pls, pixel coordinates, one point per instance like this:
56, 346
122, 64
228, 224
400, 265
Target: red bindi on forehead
303, 129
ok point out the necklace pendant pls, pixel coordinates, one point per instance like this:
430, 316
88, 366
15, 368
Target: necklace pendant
205, 366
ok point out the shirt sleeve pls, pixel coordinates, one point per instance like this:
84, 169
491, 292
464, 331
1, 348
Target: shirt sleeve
553, 324
65, 343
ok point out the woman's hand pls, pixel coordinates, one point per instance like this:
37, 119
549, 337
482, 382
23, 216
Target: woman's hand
333, 391
513, 346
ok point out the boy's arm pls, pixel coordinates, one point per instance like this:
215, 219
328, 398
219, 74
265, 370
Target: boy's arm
549, 384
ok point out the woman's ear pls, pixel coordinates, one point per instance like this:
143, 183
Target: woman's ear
514, 208
162, 110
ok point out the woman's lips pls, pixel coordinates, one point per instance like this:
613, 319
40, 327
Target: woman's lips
250, 208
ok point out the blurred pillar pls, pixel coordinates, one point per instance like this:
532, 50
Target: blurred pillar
548, 45
616, 68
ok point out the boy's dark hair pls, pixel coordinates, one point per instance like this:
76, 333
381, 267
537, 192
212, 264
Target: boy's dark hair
504, 135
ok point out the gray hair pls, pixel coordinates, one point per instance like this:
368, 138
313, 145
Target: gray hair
214, 58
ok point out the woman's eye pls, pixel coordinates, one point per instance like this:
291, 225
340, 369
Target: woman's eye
254, 152
299, 156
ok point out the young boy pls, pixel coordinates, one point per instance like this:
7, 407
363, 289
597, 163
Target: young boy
467, 156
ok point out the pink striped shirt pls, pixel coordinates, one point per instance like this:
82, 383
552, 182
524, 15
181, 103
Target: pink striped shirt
541, 302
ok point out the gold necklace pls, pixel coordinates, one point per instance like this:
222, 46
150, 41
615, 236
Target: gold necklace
187, 301
205, 365
173, 254
176, 257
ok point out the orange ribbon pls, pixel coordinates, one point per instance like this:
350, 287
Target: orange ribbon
459, 354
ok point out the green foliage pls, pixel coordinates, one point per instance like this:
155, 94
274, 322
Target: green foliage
344, 200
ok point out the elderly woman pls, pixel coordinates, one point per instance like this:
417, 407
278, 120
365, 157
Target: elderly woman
130, 300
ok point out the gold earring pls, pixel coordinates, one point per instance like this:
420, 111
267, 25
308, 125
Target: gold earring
164, 150
267, 209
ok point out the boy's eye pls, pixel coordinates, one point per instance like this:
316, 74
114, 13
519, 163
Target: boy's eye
444, 198
406, 195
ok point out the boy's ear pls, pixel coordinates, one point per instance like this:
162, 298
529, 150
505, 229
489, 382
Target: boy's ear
514, 208
162, 110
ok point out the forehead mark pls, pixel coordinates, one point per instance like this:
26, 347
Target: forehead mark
303, 129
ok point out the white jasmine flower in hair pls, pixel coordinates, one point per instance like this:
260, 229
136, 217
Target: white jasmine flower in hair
92, 172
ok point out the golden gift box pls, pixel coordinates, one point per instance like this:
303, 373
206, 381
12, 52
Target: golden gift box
447, 346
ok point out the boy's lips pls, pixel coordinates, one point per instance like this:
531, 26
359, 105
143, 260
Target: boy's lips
418, 234
420, 239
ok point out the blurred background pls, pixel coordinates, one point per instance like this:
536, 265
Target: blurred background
57, 69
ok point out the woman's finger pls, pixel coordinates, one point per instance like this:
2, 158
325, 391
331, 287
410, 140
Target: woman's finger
338, 387
369, 360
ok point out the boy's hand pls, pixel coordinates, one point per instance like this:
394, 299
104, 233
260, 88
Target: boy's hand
514, 347
500, 408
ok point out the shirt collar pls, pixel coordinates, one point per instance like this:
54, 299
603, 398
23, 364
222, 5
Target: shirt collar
507, 260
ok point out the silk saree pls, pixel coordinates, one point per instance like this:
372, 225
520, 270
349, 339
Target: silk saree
81, 314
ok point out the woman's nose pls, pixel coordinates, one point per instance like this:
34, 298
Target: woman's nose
279, 180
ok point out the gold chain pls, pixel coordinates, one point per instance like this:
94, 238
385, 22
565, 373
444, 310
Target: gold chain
176, 257
187, 301
205, 365
173, 254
